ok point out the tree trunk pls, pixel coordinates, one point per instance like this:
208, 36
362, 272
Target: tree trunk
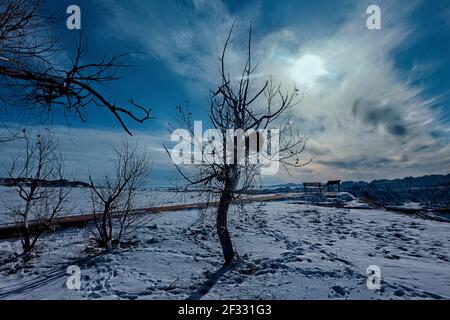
105, 235
26, 231
26, 240
222, 227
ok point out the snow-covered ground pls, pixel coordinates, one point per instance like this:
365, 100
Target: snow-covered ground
288, 250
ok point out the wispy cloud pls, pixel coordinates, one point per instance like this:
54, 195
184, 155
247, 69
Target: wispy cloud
186, 36
365, 117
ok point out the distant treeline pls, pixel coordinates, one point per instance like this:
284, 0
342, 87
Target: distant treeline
10, 182
433, 190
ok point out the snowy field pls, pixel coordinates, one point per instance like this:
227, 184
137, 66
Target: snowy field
288, 250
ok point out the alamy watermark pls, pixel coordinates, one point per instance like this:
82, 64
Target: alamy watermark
253, 147
374, 278
73, 21
74, 280
373, 22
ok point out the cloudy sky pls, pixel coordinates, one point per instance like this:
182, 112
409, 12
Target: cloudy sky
375, 103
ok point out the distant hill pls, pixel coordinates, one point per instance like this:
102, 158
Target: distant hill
10, 182
430, 191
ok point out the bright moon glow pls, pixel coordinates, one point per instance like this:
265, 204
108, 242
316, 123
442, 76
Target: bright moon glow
307, 70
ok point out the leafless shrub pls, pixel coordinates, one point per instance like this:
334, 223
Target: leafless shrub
114, 201
39, 175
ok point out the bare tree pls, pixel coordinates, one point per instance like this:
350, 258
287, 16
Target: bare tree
114, 202
32, 75
39, 177
241, 106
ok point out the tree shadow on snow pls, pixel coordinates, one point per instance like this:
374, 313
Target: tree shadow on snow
211, 280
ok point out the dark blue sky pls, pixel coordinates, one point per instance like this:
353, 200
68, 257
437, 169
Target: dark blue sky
399, 76
152, 82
